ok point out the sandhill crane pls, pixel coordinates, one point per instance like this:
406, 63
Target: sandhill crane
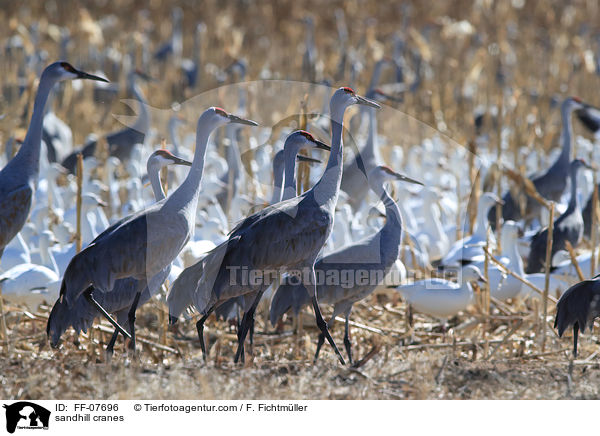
373, 255
284, 162
578, 307
82, 313
142, 246
181, 294
567, 227
553, 182
297, 230
18, 179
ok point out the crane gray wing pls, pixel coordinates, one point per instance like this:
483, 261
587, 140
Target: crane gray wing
286, 236
14, 210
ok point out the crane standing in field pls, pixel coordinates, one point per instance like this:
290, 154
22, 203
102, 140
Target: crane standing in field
142, 246
182, 291
284, 162
373, 256
567, 227
18, 179
553, 182
119, 300
578, 307
297, 230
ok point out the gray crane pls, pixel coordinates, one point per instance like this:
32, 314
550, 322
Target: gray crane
289, 234
553, 182
119, 300
373, 256
578, 307
121, 142
284, 160
567, 227
143, 245
181, 295
18, 179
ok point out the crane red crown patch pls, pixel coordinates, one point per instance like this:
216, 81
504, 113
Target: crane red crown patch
220, 111
348, 89
307, 135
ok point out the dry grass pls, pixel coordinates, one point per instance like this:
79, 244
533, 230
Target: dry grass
403, 366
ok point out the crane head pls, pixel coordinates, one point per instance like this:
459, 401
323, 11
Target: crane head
163, 158
381, 174
230, 118
305, 139
345, 96
61, 70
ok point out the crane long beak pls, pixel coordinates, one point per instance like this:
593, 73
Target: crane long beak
238, 120
403, 178
84, 75
302, 158
322, 145
179, 161
366, 102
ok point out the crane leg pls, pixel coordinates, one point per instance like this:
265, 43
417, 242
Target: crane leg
98, 306
323, 327
131, 318
111, 345
320, 343
239, 335
347, 343
246, 324
200, 328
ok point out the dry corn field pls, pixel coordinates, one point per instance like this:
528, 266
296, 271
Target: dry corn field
511, 61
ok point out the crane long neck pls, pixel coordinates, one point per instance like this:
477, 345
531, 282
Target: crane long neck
186, 195
289, 189
574, 200
29, 154
277, 177
567, 132
393, 219
328, 187
157, 189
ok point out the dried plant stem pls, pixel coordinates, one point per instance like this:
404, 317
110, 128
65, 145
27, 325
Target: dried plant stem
594, 232
547, 278
574, 260
78, 239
